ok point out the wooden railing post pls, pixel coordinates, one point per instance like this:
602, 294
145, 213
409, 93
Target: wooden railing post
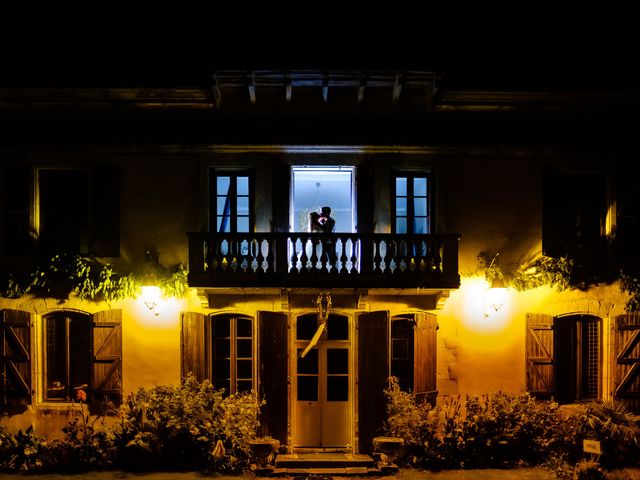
450, 255
281, 264
196, 253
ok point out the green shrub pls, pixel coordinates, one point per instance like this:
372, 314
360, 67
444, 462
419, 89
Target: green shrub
480, 431
617, 430
190, 426
21, 452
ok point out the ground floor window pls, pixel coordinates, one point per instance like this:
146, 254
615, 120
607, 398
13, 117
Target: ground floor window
67, 355
232, 353
402, 339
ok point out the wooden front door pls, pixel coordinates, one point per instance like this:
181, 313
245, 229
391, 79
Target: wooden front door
323, 388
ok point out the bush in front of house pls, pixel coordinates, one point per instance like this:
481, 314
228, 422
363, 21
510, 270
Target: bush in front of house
190, 426
493, 430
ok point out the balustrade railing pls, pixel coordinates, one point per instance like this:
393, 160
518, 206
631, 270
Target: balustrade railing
320, 259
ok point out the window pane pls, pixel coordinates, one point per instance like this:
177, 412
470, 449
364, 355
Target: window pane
401, 186
245, 386
243, 206
79, 357
223, 383
401, 206
420, 206
306, 326
337, 327
223, 224
222, 348
308, 364
338, 389
222, 201
244, 370
221, 326
400, 349
243, 326
420, 187
221, 370
244, 349
308, 389
420, 225
401, 225
243, 185
223, 185
56, 360
337, 360
243, 224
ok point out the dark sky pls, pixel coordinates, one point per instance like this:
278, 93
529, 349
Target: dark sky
541, 45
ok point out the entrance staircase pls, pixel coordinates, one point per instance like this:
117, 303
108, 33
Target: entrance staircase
323, 465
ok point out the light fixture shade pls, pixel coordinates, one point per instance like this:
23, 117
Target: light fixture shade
151, 296
496, 293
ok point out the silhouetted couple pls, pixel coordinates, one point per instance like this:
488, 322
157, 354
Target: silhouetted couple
322, 222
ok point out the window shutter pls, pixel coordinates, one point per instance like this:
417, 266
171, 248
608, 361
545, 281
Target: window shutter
106, 374
365, 200
627, 354
539, 355
273, 374
280, 195
15, 225
424, 353
15, 341
558, 214
193, 342
373, 376
105, 211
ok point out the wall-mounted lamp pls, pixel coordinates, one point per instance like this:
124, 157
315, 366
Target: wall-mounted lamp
495, 294
152, 296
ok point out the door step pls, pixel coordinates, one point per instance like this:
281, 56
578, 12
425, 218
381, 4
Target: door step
323, 465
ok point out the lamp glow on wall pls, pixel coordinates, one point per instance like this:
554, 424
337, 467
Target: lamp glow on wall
495, 294
151, 293
152, 298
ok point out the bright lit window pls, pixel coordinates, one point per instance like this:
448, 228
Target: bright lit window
326, 186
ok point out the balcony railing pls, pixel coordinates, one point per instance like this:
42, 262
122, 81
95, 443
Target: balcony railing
339, 260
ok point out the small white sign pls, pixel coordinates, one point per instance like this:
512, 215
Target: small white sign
591, 446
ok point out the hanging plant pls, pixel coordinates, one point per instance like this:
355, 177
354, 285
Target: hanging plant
554, 272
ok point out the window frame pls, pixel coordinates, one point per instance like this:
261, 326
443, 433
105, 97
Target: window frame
410, 209
67, 317
234, 174
233, 358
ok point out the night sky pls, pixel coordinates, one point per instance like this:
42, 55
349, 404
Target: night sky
521, 45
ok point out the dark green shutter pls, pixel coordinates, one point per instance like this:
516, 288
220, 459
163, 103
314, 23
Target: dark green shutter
373, 375
281, 182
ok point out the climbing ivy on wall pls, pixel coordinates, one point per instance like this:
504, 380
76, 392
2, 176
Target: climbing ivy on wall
631, 285
89, 279
554, 272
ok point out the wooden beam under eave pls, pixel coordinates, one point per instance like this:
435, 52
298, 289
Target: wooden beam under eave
251, 84
363, 83
215, 90
288, 89
397, 88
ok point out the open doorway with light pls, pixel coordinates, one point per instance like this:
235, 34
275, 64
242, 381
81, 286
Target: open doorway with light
314, 187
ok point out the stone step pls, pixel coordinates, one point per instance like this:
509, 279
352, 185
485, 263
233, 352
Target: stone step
323, 460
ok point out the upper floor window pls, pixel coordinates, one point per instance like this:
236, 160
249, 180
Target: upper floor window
231, 201
63, 205
411, 211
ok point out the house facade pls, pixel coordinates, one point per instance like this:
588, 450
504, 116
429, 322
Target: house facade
432, 191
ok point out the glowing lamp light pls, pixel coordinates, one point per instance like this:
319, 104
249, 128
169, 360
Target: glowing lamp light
495, 294
152, 297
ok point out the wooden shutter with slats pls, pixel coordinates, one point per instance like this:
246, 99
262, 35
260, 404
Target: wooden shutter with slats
15, 358
373, 375
627, 354
424, 353
193, 346
106, 375
539, 355
273, 374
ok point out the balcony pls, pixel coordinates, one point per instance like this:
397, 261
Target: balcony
320, 260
